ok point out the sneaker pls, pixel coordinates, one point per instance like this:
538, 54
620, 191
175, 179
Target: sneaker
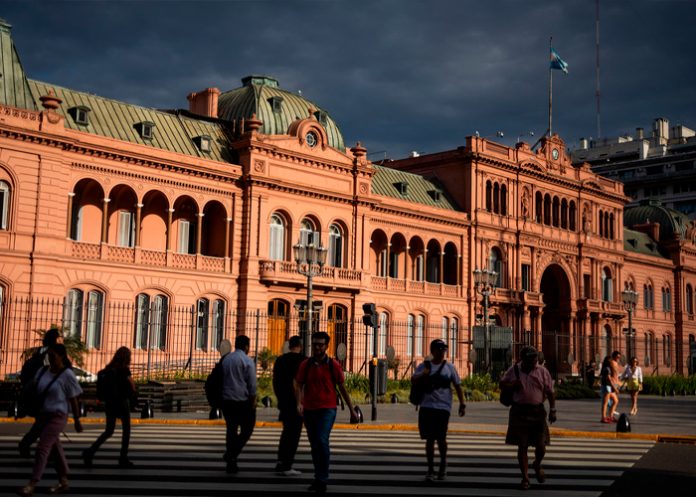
318, 486
430, 476
605, 420
613, 420
232, 467
442, 476
291, 472
125, 463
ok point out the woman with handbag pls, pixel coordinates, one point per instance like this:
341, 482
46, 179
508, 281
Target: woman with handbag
120, 392
57, 389
633, 376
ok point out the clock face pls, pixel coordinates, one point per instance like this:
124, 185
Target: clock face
554, 154
311, 139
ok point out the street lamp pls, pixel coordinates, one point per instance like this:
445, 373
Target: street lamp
629, 297
310, 260
484, 279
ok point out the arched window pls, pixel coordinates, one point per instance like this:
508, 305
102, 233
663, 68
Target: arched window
666, 300
689, 299
409, 335
202, 321
444, 329
218, 319
611, 226
95, 316
607, 285
495, 263
601, 223
572, 213
72, 313
126, 229
308, 233
649, 348
276, 250
503, 200
335, 254
496, 198
142, 318
4, 205
383, 333
85, 325
556, 212
539, 208
489, 196
454, 338
648, 300
547, 210
564, 214
420, 328
158, 322
667, 350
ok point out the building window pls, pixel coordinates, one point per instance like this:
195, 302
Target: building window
409, 335
203, 142
587, 285
186, 242
146, 129
666, 300
80, 114
649, 347
126, 229
667, 350
308, 233
95, 316
276, 104
444, 329
335, 246
420, 328
277, 239
74, 317
151, 321
607, 286
489, 196
72, 313
526, 277
393, 264
142, 305
4, 205
495, 262
648, 301
454, 338
2, 305
418, 273
218, 323
689, 300
383, 333
202, 316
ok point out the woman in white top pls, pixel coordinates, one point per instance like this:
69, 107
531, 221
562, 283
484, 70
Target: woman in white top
633, 376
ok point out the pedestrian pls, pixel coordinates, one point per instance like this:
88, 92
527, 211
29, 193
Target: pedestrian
316, 382
30, 367
590, 373
238, 400
633, 376
439, 377
284, 371
119, 395
527, 426
58, 390
609, 381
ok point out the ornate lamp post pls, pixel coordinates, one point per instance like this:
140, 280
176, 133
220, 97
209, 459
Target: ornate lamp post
310, 260
629, 297
483, 281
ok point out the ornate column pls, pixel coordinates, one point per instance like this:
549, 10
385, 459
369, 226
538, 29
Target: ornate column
138, 212
170, 214
199, 231
71, 196
105, 219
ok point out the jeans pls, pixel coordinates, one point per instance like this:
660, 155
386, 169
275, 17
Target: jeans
119, 410
319, 423
240, 418
289, 438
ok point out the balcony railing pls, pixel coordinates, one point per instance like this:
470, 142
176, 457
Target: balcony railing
286, 271
146, 257
414, 287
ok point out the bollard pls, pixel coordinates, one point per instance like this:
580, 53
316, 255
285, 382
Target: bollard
267, 401
83, 410
623, 425
147, 412
13, 411
394, 398
215, 413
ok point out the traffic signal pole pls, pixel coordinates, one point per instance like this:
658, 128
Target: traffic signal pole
370, 321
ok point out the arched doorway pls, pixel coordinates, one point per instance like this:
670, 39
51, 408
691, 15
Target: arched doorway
278, 313
555, 322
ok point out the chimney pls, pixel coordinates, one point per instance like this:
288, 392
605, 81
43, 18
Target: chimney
204, 102
661, 130
583, 144
640, 134
652, 229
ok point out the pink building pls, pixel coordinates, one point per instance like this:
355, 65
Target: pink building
167, 231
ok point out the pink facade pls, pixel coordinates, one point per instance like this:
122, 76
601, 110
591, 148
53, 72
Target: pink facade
110, 225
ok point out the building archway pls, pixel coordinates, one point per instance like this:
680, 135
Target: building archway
555, 322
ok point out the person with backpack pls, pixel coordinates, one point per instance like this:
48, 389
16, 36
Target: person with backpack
30, 367
238, 400
115, 387
284, 371
315, 393
57, 389
213, 383
437, 377
531, 385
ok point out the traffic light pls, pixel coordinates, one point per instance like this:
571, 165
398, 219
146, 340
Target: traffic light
370, 317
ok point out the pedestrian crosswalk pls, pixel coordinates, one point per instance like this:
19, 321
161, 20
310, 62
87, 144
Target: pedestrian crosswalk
183, 460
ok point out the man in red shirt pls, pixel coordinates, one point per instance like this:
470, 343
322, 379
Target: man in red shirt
315, 390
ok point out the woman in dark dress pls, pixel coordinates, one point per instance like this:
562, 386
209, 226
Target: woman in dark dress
117, 406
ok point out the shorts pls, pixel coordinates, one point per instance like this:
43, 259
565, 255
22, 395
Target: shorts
433, 423
527, 426
605, 390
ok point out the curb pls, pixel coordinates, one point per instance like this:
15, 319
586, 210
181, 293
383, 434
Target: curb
558, 432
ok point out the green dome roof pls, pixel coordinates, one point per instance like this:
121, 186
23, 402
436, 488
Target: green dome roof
672, 223
277, 108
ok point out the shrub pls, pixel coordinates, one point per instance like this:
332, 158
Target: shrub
668, 385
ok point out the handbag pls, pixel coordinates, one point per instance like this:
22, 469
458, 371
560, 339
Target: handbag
420, 388
506, 393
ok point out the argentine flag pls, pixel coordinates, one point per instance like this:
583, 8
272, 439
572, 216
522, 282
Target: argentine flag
557, 62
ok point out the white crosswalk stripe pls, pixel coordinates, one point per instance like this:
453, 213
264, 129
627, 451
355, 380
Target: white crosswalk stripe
182, 460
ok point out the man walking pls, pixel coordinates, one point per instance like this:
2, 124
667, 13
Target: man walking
438, 376
284, 371
238, 400
315, 391
527, 426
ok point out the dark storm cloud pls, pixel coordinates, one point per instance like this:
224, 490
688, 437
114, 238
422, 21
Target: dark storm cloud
398, 75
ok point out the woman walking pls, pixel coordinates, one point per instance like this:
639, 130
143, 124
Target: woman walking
57, 389
120, 391
633, 376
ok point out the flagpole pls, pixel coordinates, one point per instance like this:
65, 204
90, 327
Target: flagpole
550, 86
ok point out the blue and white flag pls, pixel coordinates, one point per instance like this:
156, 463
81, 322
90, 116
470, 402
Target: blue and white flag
557, 62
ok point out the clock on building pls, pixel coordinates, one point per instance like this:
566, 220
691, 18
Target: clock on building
311, 139
554, 154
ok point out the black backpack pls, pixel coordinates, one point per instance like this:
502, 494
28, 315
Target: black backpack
107, 388
31, 366
214, 385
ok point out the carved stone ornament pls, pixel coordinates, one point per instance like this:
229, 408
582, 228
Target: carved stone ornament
259, 166
363, 188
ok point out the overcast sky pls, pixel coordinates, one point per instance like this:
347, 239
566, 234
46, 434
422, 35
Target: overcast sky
397, 75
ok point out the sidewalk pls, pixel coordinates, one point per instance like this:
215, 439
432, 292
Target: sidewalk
659, 418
